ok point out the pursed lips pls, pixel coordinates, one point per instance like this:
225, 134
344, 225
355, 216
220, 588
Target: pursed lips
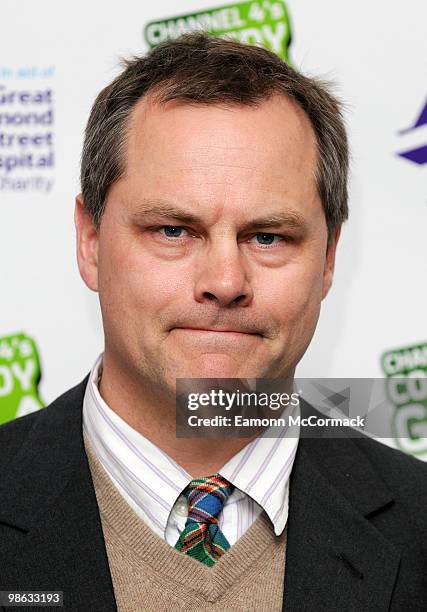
217, 331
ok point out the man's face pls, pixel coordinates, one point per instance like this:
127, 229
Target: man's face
211, 259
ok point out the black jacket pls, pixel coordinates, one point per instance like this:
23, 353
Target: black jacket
357, 530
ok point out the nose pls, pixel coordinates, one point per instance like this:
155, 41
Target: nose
222, 276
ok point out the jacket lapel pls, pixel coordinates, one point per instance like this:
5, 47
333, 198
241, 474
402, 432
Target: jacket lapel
49, 517
336, 559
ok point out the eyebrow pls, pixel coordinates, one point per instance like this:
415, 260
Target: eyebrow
145, 208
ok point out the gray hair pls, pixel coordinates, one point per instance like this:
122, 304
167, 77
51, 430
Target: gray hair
202, 68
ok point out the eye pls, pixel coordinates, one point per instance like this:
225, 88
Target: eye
172, 231
266, 240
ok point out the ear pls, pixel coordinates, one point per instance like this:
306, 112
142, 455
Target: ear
87, 238
328, 271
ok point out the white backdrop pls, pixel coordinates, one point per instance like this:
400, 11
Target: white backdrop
377, 55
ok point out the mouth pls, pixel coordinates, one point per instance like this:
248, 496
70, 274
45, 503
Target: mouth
210, 330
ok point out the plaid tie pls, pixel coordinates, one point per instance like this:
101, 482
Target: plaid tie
201, 537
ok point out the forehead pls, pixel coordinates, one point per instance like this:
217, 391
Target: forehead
216, 153
278, 122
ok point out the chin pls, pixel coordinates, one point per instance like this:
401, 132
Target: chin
218, 366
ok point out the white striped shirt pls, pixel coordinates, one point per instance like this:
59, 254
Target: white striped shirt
152, 482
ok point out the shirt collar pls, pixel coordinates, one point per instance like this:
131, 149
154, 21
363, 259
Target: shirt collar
151, 480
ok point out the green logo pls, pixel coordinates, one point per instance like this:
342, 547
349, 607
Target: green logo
406, 371
265, 23
19, 377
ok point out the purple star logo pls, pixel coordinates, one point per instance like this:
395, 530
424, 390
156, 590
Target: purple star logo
417, 155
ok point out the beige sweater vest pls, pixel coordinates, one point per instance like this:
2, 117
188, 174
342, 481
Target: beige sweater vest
149, 574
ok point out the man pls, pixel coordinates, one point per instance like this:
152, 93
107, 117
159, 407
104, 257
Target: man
213, 192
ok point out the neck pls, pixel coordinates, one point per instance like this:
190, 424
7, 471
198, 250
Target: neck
154, 417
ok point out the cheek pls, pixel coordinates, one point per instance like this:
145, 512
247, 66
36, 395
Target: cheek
296, 291
135, 284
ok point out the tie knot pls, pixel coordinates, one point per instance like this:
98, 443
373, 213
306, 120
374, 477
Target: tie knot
206, 497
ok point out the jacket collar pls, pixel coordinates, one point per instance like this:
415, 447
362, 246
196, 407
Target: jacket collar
49, 500
335, 557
